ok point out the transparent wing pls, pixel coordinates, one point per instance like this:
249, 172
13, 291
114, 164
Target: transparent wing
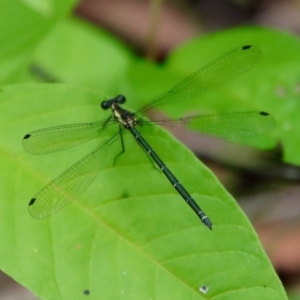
214, 74
226, 125
58, 138
70, 184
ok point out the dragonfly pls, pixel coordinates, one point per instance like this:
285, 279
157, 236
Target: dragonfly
71, 183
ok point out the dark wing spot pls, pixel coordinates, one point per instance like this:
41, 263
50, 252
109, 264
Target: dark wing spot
246, 47
262, 113
27, 136
32, 201
86, 292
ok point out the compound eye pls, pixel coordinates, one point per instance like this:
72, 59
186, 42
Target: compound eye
120, 99
105, 104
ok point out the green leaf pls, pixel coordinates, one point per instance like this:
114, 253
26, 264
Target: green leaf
129, 235
23, 24
88, 56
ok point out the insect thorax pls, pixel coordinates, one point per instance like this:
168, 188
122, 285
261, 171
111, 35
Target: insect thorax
123, 116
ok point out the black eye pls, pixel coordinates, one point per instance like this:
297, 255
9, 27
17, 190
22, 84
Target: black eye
105, 104
120, 99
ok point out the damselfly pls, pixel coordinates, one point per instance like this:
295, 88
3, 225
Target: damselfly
77, 178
